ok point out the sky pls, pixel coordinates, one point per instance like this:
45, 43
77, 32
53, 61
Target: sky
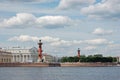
62, 25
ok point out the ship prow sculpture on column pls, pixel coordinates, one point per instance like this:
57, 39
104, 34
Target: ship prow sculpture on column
40, 51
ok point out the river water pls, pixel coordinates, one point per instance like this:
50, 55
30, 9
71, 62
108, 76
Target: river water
59, 73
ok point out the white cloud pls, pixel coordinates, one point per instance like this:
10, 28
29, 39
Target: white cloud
66, 43
27, 1
51, 40
98, 41
24, 38
19, 19
69, 4
100, 31
57, 41
52, 44
28, 20
105, 9
90, 48
114, 46
54, 21
113, 50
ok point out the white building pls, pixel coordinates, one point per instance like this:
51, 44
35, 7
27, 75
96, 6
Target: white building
118, 59
23, 55
5, 57
48, 58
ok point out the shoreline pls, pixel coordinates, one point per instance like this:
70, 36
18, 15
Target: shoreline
97, 64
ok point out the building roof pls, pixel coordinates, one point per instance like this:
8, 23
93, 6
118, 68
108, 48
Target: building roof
20, 50
4, 52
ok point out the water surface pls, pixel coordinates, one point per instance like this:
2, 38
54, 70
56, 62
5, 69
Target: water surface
59, 73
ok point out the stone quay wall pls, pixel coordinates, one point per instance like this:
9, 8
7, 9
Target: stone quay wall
78, 64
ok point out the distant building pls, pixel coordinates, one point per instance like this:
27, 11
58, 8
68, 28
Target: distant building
5, 57
23, 55
48, 58
118, 59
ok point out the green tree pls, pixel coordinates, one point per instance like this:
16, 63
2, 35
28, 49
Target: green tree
90, 58
82, 58
64, 59
114, 59
76, 59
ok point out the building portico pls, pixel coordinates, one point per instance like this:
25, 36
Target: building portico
23, 55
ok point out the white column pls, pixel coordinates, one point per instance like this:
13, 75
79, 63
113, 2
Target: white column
26, 58
23, 58
13, 59
30, 57
16, 58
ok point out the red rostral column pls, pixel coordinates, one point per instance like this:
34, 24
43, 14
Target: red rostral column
40, 50
78, 53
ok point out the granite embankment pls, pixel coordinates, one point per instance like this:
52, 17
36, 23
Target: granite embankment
88, 64
24, 65
30, 64
57, 64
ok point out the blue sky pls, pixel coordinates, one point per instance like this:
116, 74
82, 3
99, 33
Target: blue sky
62, 25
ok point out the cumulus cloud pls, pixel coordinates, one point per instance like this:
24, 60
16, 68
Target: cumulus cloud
113, 49
99, 41
90, 48
24, 38
27, 1
56, 45
68, 4
19, 19
100, 31
57, 41
104, 9
66, 43
28, 20
51, 40
54, 21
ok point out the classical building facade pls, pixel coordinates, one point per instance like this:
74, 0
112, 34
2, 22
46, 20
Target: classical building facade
23, 55
5, 57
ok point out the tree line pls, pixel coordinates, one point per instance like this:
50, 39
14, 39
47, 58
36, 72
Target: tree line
90, 58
